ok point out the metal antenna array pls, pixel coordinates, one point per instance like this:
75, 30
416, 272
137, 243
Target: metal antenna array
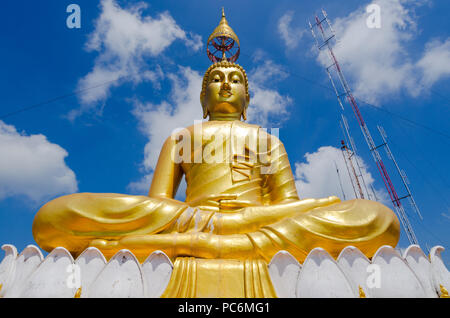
327, 35
340, 182
401, 172
354, 178
353, 154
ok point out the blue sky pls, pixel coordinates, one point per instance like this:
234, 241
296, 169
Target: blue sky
138, 67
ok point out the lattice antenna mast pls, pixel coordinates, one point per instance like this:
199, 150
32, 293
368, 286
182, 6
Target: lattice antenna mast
347, 153
346, 130
374, 193
401, 172
326, 42
340, 182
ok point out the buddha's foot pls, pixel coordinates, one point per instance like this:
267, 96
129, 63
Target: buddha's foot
198, 244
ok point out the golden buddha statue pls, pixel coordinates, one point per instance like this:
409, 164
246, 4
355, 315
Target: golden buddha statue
241, 203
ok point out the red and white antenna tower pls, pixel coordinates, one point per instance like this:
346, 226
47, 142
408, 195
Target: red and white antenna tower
354, 178
401, 172
340, 182
352, 154
327, 35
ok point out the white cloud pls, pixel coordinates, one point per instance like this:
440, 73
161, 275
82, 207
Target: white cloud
157, 122
142, 185
290, 35
445, 215
182, 108
266, 102
435, 63
32, 166
125, 39
317, 177
378, 61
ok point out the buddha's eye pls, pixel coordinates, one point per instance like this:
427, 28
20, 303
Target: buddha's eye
215, 79
235, 79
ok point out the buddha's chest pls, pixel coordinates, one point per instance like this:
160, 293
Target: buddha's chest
240, 182
225, 159
235, 148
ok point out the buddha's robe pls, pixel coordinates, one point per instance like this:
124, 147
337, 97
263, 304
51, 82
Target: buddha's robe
241, 202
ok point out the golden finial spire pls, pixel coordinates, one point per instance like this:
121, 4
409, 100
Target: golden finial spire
223, 29
362, 294
223, 40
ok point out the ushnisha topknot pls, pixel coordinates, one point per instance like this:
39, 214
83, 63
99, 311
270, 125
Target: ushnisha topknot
224, 64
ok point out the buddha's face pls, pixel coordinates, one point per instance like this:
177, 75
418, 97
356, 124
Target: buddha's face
225, 93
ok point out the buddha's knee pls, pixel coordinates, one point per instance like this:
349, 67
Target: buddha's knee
52, 210
48, 222
379, 210
381, 220
358, 219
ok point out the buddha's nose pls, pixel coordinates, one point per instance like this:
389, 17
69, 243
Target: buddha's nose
226, 86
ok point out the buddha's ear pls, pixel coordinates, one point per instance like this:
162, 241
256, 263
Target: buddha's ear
244, 112
205, 109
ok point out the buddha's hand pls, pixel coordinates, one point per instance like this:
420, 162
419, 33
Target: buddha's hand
252, 218
306, 205
213, 200
289, 207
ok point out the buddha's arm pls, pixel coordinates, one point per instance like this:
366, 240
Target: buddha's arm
280, 182
167, 175
251, 219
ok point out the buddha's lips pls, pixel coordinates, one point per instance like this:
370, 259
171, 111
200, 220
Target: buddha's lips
225, 93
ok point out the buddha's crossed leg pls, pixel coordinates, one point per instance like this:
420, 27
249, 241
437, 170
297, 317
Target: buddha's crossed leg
361, 223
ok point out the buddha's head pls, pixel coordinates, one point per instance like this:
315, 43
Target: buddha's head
224, 93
